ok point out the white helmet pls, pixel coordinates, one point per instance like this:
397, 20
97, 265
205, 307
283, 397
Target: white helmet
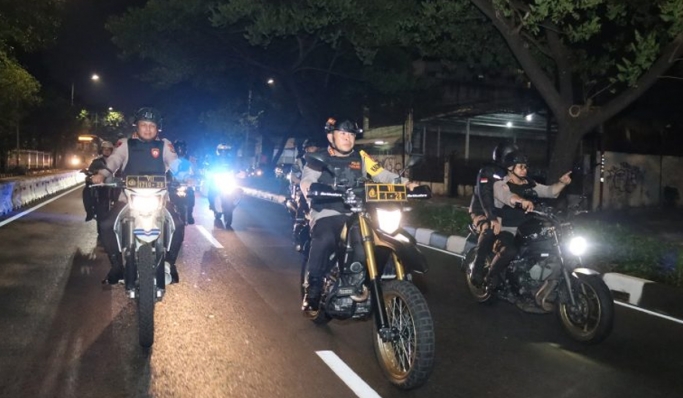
106, 144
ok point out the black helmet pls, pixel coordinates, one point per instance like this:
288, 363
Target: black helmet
501, 150
346, 125
180, 146
514, 158
149, 114
309, 142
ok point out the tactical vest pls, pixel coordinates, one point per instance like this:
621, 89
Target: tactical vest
482, 198
514, 217
145, 158
349, 170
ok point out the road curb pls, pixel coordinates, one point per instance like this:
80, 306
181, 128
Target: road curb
642, 293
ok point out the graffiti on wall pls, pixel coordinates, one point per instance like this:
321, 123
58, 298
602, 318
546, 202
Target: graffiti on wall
392, 163
624, 179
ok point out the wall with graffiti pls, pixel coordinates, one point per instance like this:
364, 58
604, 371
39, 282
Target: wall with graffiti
630, 180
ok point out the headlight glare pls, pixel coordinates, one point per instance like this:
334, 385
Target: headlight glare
145, 204
578, 246
389, 220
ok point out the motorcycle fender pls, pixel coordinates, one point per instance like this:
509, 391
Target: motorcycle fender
585, 271
412, 258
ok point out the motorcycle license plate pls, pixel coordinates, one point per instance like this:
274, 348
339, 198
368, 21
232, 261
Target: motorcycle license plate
146, 181
385, 193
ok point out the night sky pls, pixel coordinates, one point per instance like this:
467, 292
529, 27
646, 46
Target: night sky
84, 47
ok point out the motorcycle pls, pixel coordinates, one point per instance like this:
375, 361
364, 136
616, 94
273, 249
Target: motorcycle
298, 209
144, 229
548, 275
370, 274
104, 198
224, 194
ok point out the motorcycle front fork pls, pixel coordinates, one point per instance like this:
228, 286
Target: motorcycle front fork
386, 332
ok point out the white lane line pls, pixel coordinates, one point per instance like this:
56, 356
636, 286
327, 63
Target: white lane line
633, 307
23, 213
355, 383
209, 237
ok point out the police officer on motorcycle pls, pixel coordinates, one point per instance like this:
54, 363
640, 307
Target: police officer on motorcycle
328, 217
146, 154
92, 208
514, 197
482, 209
224, 159
185, 168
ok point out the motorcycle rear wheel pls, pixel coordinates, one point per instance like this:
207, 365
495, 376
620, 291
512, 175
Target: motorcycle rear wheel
591, 320
146, 295
408, 361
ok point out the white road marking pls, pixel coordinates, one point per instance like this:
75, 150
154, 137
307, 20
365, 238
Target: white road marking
348, 376
209, 237
633, 307
23, 213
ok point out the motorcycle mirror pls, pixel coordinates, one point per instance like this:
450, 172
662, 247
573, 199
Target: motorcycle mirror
414, 160
315, 160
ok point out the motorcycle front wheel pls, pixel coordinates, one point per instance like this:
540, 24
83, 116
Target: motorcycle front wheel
146, 295
589, 321
408, 360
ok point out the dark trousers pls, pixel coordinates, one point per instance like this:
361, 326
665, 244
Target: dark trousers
109, 237
325, 237
96, 202
506, 250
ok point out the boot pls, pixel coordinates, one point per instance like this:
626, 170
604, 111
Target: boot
477, 276
312, 290
116, 272
174, 273
190, 219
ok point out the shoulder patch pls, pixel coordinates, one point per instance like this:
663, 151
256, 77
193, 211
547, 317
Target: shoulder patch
483, 180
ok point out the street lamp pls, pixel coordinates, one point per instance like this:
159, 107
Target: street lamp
95, 77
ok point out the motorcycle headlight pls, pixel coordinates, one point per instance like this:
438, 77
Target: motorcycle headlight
389, 220
145, 204
226, 182
578, 246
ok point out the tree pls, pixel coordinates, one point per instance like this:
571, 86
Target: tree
317, 51
588, 59
25, 26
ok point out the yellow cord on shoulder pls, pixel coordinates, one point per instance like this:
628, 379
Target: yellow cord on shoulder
371, 167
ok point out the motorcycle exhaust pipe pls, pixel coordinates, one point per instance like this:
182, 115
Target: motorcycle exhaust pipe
543, 294
358, 298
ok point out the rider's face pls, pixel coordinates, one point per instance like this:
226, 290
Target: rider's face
147, 131
520, 170
106, 152
342, 140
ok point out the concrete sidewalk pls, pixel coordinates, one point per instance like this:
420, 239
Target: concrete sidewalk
655, 298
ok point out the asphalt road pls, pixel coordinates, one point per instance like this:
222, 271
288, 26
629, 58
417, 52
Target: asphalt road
232, 327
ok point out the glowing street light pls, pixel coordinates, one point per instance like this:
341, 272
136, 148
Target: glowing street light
508, 124
270, 81
529, 117
95, 77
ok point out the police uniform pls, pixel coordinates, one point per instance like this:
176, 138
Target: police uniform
328, 216
136, 157
512, 217
483, 211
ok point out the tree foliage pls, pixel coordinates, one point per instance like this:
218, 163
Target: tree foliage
25, 25
588, 59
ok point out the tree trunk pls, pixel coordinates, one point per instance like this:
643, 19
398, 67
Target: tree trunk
569, 135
